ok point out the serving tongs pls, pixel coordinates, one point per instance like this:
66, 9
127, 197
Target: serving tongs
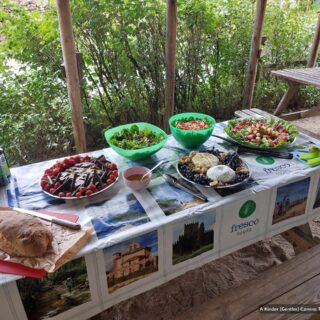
261, 152
185, 186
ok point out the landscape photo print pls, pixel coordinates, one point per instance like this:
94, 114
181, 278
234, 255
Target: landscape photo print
291, 200
57, 292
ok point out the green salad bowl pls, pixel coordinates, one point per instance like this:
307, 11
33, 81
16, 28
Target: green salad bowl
191, 138
136, 154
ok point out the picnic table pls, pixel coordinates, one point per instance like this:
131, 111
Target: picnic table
143, 239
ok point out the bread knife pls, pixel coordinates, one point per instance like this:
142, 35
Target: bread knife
61, 222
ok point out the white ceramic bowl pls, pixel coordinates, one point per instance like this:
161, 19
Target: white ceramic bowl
136, 184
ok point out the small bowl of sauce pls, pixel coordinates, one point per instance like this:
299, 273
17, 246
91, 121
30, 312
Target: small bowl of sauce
132, 177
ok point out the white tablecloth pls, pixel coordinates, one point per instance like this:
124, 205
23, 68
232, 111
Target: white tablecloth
143, 239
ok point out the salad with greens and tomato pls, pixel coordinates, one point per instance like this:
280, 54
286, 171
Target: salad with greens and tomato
262, 132
135, 138
192, 124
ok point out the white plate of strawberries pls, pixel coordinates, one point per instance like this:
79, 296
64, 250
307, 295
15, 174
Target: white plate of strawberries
79, 177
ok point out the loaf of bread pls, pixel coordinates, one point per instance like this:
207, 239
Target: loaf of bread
23, 235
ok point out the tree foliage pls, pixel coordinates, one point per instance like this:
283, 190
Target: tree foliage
123, 49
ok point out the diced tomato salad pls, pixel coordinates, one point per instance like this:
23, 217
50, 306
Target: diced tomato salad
262, 132
192, 125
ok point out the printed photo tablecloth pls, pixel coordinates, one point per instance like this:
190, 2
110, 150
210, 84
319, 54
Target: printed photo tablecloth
143, 239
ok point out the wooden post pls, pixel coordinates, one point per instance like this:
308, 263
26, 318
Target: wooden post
254, 52
170, 61
291, 91
70, 62
315, 46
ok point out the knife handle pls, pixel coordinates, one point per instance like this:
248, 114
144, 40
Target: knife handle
66, 223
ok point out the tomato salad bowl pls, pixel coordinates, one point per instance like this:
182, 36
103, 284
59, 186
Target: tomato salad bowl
191, 129
79, 177
262, 133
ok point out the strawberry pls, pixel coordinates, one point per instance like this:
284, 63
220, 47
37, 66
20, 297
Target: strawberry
72, 162
57, 185
91, 186
89, 193
77, 159
48, 172
55, 171
43, 184
78, 194
61, 194
83, 190
51, 190
113, 166
46, 188
68, 194
112, 177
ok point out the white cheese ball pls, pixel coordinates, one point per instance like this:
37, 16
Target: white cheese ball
221, 173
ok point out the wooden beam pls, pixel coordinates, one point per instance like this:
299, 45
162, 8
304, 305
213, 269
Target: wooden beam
254, 52
170, 61
300, 114
289, 94
70, 62
315, 46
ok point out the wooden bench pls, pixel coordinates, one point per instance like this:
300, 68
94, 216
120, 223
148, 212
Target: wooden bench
295, 77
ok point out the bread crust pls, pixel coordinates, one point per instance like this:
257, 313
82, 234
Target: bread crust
23, 235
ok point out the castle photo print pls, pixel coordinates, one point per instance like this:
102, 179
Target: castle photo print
131, 260
193, 237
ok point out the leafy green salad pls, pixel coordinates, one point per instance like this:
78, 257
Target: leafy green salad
262, 132
135, 138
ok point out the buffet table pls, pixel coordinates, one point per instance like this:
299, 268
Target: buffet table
143, 239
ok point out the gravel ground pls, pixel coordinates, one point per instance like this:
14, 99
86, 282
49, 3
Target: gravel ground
312, 124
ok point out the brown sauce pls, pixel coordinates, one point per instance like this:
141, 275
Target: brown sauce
136, 177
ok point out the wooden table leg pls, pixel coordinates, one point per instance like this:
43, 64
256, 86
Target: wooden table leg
286, 98
301, 238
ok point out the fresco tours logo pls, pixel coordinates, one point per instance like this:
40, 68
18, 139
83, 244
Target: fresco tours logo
246, 210
265, 160
278, 169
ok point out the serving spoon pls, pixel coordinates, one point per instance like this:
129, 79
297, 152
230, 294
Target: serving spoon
155, 167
